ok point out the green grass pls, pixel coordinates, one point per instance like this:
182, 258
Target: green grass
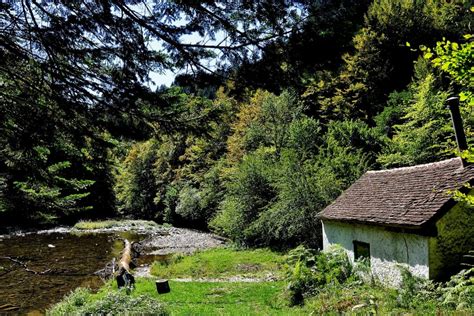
362, 299
221, 298
262, 298
90, 225
194, 298
252, 298
222, 263
114, 302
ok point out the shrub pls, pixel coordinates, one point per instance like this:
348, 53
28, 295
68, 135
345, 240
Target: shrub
334, 265
301, 277
71, 304
408, 288
80, 302
362, 273
313, 271
456, 294
459, 291
416, 292
301, 281
119, 303
302, 254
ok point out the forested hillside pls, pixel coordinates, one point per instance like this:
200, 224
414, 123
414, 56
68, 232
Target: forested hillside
301, 99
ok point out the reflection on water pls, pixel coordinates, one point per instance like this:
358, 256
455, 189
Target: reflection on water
41, 269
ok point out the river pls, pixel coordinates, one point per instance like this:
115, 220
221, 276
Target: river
37, 270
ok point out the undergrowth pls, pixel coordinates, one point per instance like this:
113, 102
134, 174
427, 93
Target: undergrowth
83, 302
326, 282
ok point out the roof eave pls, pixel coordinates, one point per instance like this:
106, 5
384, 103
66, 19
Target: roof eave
425, 228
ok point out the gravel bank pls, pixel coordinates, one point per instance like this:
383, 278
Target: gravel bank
175, 240
180, 240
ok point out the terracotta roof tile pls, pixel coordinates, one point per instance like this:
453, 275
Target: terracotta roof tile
408, 196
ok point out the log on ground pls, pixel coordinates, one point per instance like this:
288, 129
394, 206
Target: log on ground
124, 275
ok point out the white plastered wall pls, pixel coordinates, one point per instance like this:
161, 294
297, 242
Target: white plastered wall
388, 249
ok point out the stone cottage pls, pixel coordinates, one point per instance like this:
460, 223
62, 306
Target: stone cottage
405, 216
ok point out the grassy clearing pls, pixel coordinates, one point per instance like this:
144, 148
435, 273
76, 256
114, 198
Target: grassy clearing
262, 298
222, 263
90, 225
350, 297
222, 298
189, 298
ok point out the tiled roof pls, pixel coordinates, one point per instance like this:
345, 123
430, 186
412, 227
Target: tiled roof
404, 197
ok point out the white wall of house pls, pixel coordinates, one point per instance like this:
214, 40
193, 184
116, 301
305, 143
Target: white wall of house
388, 249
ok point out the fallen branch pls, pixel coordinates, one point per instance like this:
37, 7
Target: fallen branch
25, 267
9, 308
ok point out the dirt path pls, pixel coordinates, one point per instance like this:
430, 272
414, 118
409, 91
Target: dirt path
270, 277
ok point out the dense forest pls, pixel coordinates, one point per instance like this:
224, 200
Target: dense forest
259, 131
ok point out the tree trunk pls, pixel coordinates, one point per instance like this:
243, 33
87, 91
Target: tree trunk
124, 276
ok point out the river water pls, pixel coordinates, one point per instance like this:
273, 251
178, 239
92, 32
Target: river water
37, 270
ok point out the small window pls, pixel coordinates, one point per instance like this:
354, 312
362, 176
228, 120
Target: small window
361, 250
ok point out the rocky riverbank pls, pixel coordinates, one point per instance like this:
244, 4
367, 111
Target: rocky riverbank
180, 240
48, 264
161, 241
